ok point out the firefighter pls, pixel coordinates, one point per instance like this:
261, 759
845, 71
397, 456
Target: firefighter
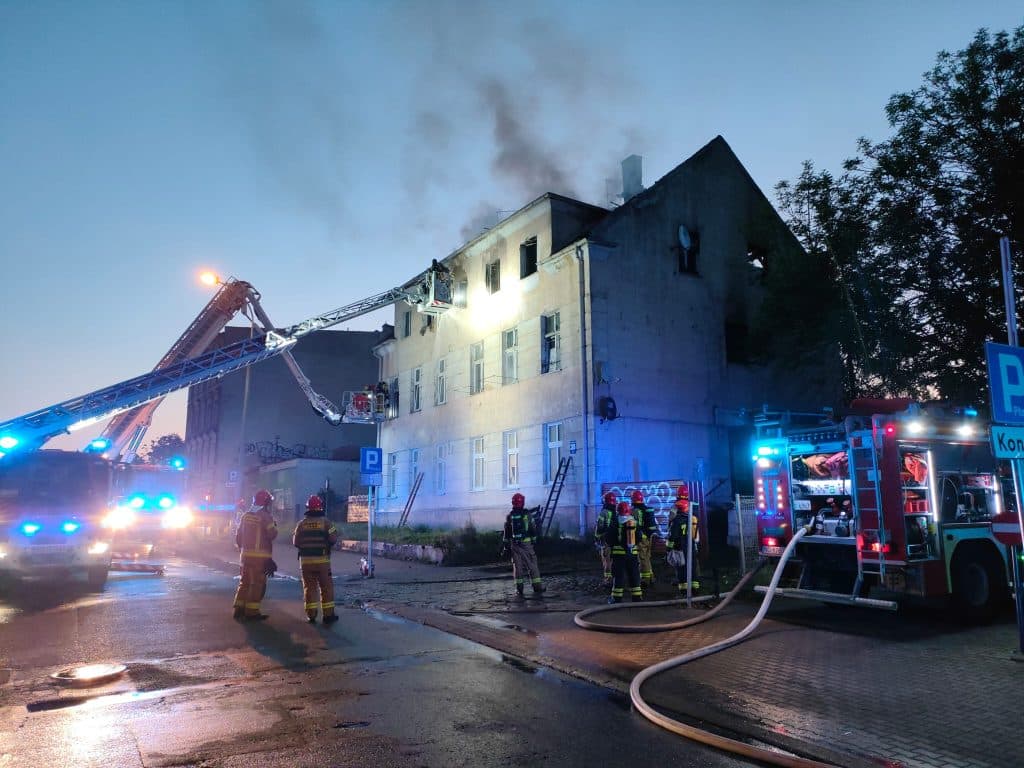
314, 537
520, 533
604, 520
646, 531
683, 522
254, 538
622, 540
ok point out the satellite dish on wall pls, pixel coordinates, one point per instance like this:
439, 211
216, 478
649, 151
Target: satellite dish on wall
684, 237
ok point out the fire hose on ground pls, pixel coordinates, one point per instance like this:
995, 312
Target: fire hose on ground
682, 729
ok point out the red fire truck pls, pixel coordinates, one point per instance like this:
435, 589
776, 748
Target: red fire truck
904, 500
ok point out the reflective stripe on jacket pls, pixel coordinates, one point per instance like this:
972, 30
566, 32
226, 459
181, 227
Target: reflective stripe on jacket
255, 534
314, 537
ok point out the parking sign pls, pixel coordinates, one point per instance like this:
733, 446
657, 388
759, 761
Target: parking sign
1006, 382
371, 466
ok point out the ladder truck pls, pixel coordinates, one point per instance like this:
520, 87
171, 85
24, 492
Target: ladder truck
902, 500
37, 513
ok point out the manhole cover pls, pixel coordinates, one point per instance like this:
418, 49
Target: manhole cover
89, 674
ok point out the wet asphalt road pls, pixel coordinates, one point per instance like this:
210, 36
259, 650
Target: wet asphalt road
372, 691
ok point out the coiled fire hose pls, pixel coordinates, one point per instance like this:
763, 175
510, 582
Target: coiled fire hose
682, 729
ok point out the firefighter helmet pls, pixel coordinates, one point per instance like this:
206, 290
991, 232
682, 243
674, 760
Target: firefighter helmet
637, 497
315, 504
683, 492
262, 498
609, 498
623, 508
518, 501
682, 504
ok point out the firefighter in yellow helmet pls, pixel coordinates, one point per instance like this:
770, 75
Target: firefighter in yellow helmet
622, 539
254, 538
314, 537
683, 523
519, 534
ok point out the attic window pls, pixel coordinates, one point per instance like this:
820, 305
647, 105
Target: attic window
528, 257
688, 255
757, 255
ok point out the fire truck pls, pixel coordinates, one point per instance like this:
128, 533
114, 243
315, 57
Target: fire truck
901, 499
38, 504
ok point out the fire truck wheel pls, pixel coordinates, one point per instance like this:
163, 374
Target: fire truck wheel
97, 578
977, 590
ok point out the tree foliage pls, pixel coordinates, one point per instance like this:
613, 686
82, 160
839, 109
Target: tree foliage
911, 227
163, 449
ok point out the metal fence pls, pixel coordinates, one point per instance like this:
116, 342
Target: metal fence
743, 530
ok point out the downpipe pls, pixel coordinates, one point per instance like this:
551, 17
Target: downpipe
682, 729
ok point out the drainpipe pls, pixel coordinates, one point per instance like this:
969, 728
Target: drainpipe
584, 395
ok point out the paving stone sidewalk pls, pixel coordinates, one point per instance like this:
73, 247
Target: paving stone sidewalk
853, 687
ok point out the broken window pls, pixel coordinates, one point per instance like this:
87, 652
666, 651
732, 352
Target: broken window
492, 276
528, 257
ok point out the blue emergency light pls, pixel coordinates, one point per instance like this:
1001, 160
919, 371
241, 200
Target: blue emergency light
30, 529
70, 526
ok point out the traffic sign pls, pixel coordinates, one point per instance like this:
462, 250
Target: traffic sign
1007, 442
1006, 382
371, 461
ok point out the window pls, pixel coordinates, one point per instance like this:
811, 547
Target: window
441, 469
736, 344
552, 450
478, 464
528, 257
440, 384
415, 390
757, 255
391, 408
460, 296
688, 256
414, 466
392, 477
492, 276
406, 323
511, 459
510, 356
550, 343
476, 368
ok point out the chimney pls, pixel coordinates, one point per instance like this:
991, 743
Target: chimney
632, 176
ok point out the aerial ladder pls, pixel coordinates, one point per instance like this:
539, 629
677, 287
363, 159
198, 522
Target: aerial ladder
136, 398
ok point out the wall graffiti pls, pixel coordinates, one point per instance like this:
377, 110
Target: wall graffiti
273, 451
659, 495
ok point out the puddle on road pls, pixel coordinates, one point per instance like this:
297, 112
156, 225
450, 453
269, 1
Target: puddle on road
520, 665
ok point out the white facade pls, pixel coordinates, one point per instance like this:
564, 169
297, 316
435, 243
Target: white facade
494, 392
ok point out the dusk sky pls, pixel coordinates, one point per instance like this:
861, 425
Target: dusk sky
328, 151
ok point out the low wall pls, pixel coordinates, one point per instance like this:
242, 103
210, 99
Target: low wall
421, 552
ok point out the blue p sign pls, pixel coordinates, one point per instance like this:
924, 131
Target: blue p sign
1006, 382
371, 461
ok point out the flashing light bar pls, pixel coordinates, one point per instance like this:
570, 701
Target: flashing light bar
7, 442
30, 529
70, 526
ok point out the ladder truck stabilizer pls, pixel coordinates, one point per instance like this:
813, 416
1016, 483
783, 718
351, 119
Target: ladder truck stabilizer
430, 293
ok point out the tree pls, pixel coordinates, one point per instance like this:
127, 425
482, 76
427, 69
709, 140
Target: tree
912, 226
163, 449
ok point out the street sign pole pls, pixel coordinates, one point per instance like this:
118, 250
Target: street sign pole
371, 509
1016, 465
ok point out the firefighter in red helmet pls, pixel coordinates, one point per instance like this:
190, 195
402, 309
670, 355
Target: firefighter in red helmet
519, 534
254, 538
622, 539
684, 523
646, 531
604, 521
314, 537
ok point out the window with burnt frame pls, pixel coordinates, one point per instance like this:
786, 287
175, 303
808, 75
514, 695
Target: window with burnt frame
688, 257
492, 276
528, 258
737, 345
